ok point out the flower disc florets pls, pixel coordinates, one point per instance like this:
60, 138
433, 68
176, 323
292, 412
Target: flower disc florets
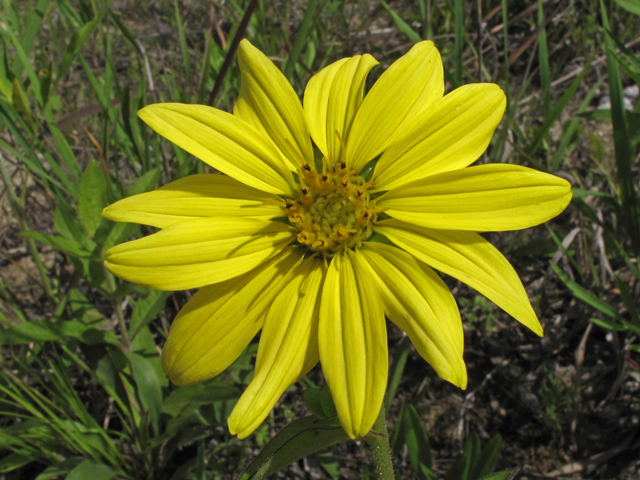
333, 210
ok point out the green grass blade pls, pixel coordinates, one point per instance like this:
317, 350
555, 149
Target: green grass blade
592, 300
571, 129
185, 54
403, 26
543, 58
34, 23
458, 18
77, 41
622, 145
557, 110
302, 38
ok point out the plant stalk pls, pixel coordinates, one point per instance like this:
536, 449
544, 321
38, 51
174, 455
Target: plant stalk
378, 440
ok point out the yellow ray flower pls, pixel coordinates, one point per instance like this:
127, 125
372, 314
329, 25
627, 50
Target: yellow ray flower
282, 241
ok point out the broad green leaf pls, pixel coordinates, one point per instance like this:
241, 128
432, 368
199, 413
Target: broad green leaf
93, 196
144, 183
70, 247
632, 6
94, 471
503, 475
148, 386
146, 310
196, 395
297, 440
21, 104
312, 397
60, 469
55, 331
417, 441
487, 459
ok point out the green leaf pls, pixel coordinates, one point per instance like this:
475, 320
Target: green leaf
196, 395
66, 224
622, 144
503, 475
399, 361
312, 397
185, 52
488, 457
328, 406
146, 310
148, 386
583, 294
144, 183
16, 460
632, 6
55, 331
628, 300
417, 440
93, 196
70, 247
461, 467
311, 13
60, 469
559, 107
297, 440
403, 26
21, 104
94, 471
77, 41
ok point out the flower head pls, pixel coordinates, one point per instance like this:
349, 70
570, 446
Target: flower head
315, 251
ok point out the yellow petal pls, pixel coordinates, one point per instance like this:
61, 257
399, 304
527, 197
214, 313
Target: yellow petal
352, 337
485, 198
331, 100
469, 258
402, 94
316, 99
219, 321
199, 252
288, 347
225, 142
420, 303
450, 136
268, 102
195, 196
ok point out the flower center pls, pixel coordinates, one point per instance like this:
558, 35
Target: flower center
332, 210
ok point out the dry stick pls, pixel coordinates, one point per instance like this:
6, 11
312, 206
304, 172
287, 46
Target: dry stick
244, 23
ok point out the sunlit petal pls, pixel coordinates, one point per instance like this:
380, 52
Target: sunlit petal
331, 101
225, 142
407, 89
418, 301
195, 196
491, 197
449, 136
352, 337
469, 258
199, 252
268, 102
203, 340
288, 347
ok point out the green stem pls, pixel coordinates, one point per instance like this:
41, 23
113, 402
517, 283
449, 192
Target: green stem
126, 341
378, 440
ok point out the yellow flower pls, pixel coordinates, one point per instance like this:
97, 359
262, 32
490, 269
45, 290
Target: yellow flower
281, 243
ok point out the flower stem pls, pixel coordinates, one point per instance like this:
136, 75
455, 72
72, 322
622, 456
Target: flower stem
378, 440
